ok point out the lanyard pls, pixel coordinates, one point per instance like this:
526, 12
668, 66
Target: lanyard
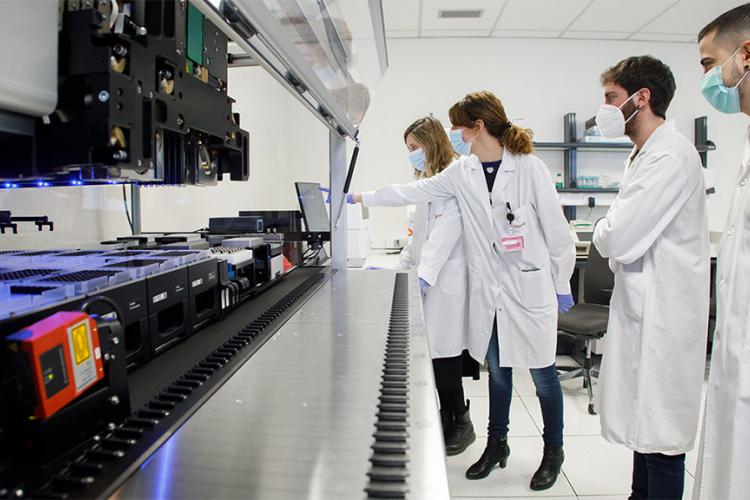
509, 215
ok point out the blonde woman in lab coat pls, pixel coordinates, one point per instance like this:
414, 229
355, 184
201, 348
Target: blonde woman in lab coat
520, 255
438, 255
724, 463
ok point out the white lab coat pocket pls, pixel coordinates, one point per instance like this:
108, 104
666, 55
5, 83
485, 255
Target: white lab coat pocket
536, 288
629, 292
453, 278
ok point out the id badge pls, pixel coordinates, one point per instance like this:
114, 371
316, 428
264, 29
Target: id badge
512, 242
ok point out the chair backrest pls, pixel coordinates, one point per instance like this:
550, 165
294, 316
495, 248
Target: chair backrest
598, 281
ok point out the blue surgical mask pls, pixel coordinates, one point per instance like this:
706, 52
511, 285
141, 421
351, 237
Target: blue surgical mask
722, 97
459, 145
417, 159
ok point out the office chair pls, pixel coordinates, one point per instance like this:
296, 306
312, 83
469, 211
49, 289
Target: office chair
587, 321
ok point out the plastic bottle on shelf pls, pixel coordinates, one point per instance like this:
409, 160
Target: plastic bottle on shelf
559, 184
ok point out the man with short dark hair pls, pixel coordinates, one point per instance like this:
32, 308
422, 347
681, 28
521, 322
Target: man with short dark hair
655, 235
724, 464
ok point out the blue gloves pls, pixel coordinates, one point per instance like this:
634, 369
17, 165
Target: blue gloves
564, 302
349, 197
423, 285
327, 192
373, 268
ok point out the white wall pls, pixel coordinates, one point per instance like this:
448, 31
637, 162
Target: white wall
538, 80
82, 216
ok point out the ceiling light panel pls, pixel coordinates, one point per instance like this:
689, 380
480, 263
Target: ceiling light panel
619, 15
539, 14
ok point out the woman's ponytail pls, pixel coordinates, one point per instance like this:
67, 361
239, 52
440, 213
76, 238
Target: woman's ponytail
518, 140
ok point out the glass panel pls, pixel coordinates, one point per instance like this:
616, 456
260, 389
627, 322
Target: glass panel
337, 40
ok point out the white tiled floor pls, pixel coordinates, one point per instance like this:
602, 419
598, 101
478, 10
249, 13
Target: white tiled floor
513, 481
593, 470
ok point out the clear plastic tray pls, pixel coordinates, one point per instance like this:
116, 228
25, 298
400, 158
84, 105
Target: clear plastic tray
18, 299
183, 257
34, 258
139, 268
78, 258
127, 254
238, 259
87, 280
26, 274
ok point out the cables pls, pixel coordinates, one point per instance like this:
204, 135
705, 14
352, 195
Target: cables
115, 326
311, 254
106, 300
127, 209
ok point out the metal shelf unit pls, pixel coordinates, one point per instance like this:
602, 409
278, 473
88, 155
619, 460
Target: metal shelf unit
571, 146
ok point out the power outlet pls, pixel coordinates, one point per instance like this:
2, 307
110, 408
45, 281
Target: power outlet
396, 243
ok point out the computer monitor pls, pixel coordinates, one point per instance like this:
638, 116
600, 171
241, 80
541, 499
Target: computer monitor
313, 206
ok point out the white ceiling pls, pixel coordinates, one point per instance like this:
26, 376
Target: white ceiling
649, 20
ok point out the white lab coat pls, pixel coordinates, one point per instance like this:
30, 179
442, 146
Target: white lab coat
656, 236
518, 287
438, 254
723, 464
420, 219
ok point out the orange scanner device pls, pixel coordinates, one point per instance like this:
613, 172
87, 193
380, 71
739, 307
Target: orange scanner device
63, 357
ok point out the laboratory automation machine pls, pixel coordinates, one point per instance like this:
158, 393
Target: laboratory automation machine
242, 360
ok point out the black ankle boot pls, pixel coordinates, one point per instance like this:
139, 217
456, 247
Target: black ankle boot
446, 420
462, 435
546, 475
496, 452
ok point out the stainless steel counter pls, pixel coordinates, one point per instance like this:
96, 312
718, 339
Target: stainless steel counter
296, 421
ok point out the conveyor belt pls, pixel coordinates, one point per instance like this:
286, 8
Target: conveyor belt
297, 421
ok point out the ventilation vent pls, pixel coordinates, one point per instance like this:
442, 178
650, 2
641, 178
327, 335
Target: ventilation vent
460, 14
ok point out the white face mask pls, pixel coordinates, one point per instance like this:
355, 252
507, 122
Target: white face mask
611, 121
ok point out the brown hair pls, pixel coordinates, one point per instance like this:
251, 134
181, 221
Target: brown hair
438, 152
487, 107
637, 72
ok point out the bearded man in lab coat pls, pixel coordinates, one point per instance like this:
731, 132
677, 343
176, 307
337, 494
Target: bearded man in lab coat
724, 465
656, 237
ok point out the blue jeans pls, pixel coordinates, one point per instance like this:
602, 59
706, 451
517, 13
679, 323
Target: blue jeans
548, 391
